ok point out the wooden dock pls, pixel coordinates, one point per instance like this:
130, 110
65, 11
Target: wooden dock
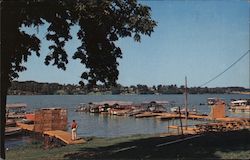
63, 136
186, 130
167, 116
29, 127
147, 114
59, 134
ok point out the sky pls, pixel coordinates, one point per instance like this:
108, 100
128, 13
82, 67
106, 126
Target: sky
197, 39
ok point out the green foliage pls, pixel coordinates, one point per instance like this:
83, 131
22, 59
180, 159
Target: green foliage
101, 23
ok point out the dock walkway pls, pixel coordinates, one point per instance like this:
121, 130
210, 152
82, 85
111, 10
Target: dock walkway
59, 134
168, 116
63, 136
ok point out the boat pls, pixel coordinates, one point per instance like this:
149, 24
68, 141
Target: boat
82, 107
10, 123
213, 101
30, 116
11, 128
112, 107
156, 106
9, 131
27, 121
192, 111
242, 105
94, 109
16, 110
174, 109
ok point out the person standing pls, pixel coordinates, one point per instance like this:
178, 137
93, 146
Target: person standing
73, 130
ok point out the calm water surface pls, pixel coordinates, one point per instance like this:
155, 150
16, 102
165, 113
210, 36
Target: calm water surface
102, 125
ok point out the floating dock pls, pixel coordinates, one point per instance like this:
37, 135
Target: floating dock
147, 114
167, 116
63, 136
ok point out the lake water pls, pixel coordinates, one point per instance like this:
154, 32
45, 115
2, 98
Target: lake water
101, 125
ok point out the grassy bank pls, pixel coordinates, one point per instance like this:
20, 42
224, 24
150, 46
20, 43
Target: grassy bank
230, 145
36, 151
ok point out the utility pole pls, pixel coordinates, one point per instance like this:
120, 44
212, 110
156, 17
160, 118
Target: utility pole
186, 110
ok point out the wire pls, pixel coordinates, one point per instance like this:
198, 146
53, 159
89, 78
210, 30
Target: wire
248, 52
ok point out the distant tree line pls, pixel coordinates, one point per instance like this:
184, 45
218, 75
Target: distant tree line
36, 88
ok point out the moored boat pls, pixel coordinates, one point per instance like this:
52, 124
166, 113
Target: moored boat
242, 105
192, 111
11, 128
10, 123
213, 101
9, 131
94, 109
174, 109
156, 106
82, 107
16, 111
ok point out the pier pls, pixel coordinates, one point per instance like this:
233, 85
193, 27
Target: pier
63, 136
52, 124
169, 116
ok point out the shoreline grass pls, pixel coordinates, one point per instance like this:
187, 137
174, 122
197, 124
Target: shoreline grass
36, 151
228, 145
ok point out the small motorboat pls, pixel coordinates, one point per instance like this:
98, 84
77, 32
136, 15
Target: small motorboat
174, 109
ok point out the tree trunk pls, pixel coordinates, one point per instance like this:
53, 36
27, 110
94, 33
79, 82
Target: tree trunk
3, 118
4, 88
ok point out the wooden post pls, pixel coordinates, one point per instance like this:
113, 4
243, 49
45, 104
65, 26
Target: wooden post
180, 122
186, 110
168, 126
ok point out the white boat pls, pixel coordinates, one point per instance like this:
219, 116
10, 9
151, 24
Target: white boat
242, 105
213, 101
183, 110
16, 110
174, 109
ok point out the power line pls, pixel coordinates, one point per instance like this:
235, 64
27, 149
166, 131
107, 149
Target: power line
225, 69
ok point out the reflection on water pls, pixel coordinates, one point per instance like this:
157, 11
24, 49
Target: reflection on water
16, 141
102, 125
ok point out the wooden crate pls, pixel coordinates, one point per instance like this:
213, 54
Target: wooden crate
218, 110
50, 119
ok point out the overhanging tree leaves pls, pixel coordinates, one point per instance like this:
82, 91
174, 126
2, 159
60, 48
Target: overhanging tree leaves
101, 23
